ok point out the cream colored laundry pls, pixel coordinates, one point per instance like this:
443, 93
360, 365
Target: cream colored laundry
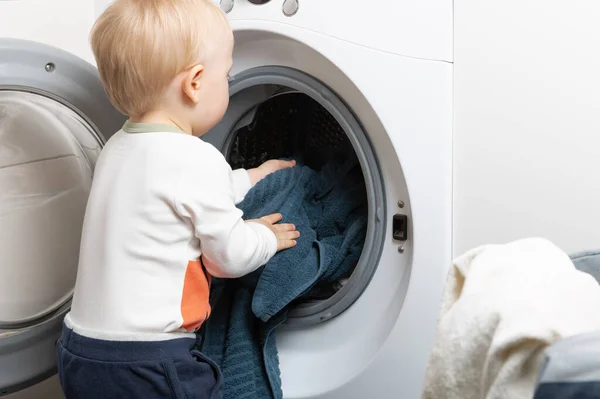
503, 306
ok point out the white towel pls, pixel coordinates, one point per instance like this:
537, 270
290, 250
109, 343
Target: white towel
502, 306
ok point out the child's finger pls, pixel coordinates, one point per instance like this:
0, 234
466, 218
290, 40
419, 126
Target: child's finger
272, 219
284, 164
288, 235
285, 244
284, 227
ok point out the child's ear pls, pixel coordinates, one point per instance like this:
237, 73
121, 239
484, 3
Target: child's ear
191, 83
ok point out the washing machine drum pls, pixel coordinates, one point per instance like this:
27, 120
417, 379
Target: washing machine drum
278, 112
53, 112
291, 125
287, 125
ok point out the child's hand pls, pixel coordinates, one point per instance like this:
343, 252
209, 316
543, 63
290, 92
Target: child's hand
257, 174
286, 233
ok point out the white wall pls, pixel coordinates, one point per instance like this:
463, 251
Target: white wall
527, 122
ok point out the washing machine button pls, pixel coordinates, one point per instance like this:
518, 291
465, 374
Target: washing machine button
290, 7
258, 2
226, 5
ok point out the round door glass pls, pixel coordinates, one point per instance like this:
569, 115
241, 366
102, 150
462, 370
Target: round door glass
46, 161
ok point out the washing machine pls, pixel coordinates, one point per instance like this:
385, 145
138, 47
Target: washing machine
374, 77
54, 119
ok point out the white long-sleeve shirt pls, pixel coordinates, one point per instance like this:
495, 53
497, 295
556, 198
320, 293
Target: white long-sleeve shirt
162, 205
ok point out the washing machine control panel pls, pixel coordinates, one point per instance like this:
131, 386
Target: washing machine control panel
289, 7
226, 5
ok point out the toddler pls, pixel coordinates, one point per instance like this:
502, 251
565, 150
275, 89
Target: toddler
161, 217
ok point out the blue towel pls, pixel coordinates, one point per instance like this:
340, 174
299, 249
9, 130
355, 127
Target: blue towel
328, 207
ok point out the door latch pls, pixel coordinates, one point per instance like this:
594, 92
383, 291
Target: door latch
400, 227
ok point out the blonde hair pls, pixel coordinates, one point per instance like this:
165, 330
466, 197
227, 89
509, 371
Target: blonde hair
141, 45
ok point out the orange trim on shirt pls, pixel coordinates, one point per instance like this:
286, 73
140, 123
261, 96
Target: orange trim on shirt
195, 307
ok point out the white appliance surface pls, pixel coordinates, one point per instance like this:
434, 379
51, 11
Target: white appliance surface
387, 325
61, 23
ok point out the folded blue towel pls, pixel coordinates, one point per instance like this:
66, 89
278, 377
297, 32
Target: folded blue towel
328, 207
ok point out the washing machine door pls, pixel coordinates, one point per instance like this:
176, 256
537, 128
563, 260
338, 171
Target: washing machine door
54, 119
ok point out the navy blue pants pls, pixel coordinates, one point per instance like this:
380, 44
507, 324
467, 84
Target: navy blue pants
96, 369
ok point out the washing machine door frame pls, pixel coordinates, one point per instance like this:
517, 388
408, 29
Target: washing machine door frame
27, 352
